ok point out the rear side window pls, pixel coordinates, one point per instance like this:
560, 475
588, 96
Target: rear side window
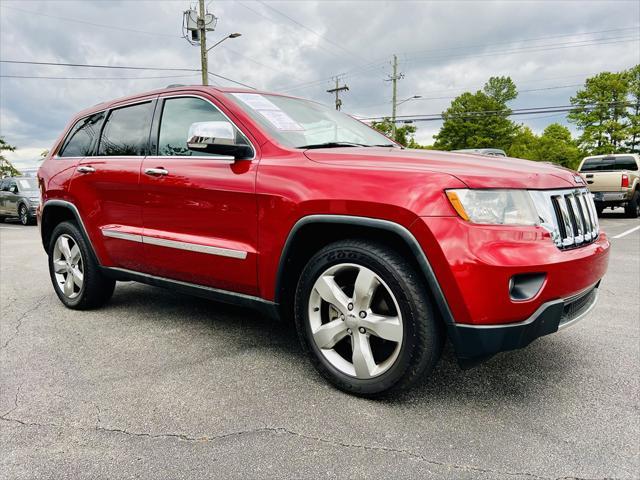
126, 131
82, 137
177, 116
609, 164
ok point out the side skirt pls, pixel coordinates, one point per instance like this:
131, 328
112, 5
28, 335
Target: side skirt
270, 309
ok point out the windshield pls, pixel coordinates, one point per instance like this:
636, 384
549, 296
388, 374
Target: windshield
27, 184
304, 124
610, 164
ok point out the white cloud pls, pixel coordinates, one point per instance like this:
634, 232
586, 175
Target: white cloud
444, 48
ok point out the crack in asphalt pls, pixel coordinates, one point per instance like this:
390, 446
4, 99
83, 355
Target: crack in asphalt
286, 431
21, 318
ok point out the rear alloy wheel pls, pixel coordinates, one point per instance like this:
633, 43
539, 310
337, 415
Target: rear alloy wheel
364, 317
75, 274
23, 213
68, 266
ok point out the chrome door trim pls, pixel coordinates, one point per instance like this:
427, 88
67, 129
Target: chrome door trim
111, 233
162, 242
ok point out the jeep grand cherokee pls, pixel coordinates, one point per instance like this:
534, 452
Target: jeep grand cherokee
377, 253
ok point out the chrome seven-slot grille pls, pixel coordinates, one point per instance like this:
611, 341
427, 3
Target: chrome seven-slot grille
570, 216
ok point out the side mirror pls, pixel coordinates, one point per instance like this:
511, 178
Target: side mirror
13, 189
218, 138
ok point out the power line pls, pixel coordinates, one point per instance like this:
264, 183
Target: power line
122, 67
93, 78
100, 25
456, 96
547, 37
506, 113
86, 65
231, 80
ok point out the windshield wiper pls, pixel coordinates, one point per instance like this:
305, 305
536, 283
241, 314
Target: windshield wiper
386, 145
334, 145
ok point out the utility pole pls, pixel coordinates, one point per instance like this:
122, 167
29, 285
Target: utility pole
202, 26
337, 91
394, 96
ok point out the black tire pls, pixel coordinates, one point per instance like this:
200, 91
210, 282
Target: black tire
632, 208
423, 335
599, 210
96, 288
23, 215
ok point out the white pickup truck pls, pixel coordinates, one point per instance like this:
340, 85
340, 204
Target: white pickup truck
614, 181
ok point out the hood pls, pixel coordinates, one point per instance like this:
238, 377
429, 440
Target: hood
476, 171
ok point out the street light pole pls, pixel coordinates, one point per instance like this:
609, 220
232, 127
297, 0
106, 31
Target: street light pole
233, 35
407, 99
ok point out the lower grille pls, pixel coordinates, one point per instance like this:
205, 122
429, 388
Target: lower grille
576, 306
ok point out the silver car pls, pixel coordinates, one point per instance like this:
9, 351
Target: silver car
19, 198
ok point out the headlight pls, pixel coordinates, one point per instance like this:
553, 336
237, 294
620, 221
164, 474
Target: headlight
495, 207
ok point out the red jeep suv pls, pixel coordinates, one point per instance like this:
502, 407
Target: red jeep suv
378, 253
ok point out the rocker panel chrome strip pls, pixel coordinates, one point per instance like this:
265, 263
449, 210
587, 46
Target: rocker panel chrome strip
162, 242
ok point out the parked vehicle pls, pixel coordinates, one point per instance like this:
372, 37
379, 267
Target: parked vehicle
19, 198
614, 181
377, 253
491, 152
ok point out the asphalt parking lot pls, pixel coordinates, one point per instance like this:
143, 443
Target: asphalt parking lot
161, 385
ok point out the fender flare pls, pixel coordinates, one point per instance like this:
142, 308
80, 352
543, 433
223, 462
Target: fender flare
76, 214
404, 233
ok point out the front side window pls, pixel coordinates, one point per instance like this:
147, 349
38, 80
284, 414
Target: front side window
83, 135
304, 124
126, 131
178, 114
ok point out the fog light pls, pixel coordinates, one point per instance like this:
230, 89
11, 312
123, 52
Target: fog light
525, 286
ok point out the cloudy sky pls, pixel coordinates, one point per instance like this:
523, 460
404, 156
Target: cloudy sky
444, 48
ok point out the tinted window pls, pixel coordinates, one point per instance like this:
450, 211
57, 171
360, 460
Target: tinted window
82, 136
177, 116
126, 131
626, 163
609, 164
4, 185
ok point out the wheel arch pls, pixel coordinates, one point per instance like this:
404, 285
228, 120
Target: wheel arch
55, 212
313, 232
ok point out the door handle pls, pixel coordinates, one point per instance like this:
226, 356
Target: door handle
156, 172
86, 169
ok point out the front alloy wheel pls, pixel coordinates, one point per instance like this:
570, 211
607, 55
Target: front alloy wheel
355, 320
364, 316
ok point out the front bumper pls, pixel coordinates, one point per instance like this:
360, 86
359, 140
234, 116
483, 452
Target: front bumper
474, 266
476, 343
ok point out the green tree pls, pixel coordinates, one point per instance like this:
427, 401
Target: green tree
633, 138
600, 112
6, 168
556, 145
481, 119
524, 144
404, 134
501, 89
